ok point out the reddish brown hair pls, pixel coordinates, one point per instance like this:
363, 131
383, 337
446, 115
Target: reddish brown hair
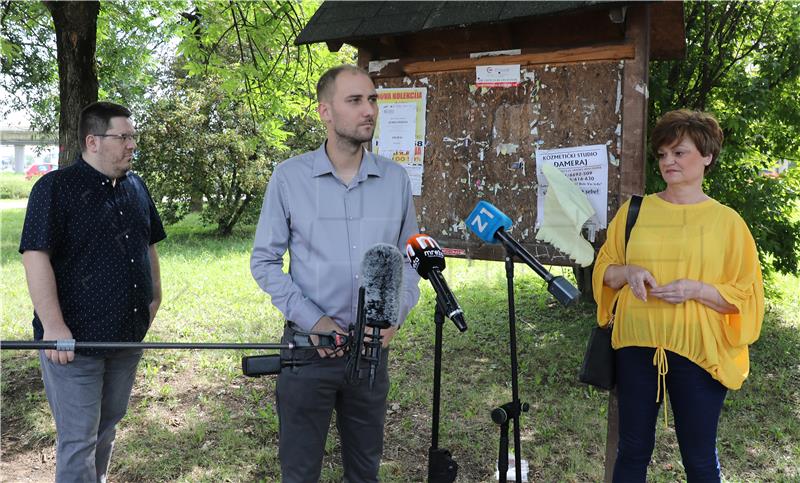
701, 127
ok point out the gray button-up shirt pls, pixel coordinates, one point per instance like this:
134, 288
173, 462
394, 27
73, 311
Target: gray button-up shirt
327, 226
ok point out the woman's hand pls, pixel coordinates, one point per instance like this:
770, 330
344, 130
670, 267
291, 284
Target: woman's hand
685, 289
678, 291
638, 279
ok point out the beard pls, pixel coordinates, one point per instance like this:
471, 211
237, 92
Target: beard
355, 136
122, 166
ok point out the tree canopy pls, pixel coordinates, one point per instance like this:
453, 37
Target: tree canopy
238, 100
105, 49
743, 65
220, 89
250, 47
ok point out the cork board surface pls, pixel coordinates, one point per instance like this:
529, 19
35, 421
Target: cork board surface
481, 145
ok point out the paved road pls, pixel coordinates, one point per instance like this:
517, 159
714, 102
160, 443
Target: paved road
12, 204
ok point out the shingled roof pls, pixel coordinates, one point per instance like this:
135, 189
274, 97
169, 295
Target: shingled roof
339, 22
389, 29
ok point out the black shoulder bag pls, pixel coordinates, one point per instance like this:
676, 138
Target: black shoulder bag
598, 361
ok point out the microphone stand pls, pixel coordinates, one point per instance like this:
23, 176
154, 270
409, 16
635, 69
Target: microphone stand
441, 466
566, 294
512, 410
559, 287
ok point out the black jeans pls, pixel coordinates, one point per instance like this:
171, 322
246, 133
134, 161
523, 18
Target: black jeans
696, 400
306, 397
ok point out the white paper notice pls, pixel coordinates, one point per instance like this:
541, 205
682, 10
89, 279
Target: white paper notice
587, 167
497, 75
398, 126
400, 133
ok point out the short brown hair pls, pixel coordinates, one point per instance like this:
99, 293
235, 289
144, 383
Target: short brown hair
701, 127
326, 81
96, 117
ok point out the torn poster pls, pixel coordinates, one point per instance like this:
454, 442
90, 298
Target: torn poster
566, 209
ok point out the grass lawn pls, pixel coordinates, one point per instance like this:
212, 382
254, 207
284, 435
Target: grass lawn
14, 186
194, 417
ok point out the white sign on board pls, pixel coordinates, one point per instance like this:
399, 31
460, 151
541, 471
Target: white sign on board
587, 167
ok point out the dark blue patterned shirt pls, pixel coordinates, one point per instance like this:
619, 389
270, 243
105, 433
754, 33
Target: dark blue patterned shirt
98, 236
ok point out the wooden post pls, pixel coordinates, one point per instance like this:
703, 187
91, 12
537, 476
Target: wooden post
634, 118
612, 435
634, 102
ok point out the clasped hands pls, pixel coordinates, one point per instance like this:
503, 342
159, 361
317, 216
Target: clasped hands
326, 324
674, 292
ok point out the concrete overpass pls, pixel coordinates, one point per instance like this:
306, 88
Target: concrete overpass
20, 138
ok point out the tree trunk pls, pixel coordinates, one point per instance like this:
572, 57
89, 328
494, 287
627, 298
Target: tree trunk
196, 203
76, 41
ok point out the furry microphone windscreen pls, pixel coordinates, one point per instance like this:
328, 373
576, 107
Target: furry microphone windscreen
382, 279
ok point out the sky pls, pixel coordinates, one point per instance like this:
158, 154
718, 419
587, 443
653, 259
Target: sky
14, 119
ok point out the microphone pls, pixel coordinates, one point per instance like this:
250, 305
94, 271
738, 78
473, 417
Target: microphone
255, 366
490, 224
427, 259
381, 281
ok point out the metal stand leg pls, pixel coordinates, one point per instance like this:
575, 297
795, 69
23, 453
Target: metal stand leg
513, 409
441, 466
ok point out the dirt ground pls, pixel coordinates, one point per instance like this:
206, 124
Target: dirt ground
28, 466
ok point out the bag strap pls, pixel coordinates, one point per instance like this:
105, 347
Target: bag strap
633, 214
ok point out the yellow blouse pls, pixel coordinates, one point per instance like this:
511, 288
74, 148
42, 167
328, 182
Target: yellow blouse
705, 241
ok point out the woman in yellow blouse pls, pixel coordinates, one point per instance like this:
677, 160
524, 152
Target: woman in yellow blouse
689, 300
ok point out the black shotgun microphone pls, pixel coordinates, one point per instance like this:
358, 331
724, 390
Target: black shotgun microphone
381, 280
427, 259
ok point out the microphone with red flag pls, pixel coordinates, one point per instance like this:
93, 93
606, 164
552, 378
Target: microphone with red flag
427, 259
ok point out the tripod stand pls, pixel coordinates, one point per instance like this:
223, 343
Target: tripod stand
510, 411
441, 466
490, 224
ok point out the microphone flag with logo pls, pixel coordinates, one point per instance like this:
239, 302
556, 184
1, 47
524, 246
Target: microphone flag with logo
427, 259
490, 225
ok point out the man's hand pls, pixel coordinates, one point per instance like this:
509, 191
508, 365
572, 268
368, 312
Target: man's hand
678, 291
638, 278
326, 324
388, 335
60, 333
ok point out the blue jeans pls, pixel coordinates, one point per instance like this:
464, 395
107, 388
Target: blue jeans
696, 400
88, 397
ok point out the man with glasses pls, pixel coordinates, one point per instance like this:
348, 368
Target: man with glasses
88, 247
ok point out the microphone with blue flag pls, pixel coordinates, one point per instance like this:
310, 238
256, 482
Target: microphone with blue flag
490, 225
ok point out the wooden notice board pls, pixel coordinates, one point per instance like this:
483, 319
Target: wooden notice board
481, 144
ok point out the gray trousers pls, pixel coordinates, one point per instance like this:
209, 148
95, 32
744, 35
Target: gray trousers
88, 397
306, 397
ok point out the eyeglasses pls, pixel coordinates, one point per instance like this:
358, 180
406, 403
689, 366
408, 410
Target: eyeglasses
124, 137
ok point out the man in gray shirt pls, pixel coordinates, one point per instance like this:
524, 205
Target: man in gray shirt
327, 207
